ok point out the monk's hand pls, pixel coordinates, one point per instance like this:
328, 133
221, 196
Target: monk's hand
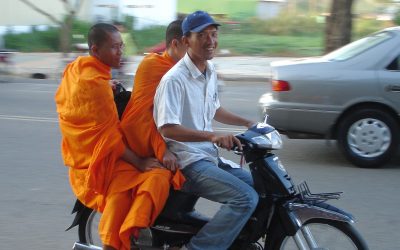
226, 141
147, 164
170, 161
113, 84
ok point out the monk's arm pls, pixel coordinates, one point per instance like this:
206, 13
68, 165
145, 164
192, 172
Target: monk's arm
161, 151
142, 164
183, 134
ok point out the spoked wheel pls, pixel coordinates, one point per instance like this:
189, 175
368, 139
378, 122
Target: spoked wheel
323, 235
88, 233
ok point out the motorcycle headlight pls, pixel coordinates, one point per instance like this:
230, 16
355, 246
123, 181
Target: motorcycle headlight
271, 140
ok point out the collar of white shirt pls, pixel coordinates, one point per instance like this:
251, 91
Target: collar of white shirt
194, 71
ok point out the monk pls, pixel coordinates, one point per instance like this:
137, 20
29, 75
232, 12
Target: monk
106, 175
137, 120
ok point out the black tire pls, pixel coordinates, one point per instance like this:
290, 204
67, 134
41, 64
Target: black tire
82, 231
347, 232
87, 230
368, 137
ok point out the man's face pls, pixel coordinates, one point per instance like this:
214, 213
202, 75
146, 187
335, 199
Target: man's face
202, 45
110, 51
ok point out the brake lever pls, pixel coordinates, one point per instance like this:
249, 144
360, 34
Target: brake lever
237, 151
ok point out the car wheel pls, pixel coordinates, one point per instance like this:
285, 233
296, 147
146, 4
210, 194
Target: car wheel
368, 137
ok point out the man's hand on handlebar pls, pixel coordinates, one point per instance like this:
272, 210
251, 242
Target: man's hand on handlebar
226, 141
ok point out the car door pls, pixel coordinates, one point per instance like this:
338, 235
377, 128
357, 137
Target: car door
389, 78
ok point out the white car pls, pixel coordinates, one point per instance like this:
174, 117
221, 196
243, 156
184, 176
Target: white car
351, 94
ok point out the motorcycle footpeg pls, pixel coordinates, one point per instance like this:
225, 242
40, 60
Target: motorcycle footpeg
144, 240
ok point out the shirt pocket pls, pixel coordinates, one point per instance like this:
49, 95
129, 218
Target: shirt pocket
212, 105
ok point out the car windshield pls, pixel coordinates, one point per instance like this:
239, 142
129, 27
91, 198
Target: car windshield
358, 47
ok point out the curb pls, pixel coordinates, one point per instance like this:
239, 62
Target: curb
15, 78
230, 69
51, 75
238, 78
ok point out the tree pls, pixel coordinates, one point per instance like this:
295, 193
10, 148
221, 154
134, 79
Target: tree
66, 24
338, 25
397, 18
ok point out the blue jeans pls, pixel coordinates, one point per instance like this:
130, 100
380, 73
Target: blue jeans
232, 188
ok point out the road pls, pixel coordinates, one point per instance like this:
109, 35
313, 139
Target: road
35, 198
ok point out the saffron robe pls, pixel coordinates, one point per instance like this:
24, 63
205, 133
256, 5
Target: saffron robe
137, 120
92, 145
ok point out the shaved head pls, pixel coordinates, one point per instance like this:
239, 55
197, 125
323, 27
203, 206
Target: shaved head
98, 33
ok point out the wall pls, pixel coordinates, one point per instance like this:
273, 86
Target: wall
150, 12
269, 9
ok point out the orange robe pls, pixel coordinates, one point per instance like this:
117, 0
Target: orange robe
92, 144
137, 120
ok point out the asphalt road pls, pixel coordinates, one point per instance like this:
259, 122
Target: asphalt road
35, 198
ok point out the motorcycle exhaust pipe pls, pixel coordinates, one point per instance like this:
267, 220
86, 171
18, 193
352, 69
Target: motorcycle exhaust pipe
80, 246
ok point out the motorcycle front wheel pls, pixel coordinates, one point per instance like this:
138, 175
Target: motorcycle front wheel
323, 235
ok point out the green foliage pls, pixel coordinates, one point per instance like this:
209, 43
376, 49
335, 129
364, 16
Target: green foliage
286, 35
148, 37
363, 27
286, 25
397, 18
265, 45
81, 26
79, 31
129, 22
231, 9
44, 41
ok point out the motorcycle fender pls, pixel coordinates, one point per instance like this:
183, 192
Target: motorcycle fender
82, 214
294, 215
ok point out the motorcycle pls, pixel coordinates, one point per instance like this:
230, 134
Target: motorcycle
287, 216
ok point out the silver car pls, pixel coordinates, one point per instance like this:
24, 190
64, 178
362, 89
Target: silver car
351, 94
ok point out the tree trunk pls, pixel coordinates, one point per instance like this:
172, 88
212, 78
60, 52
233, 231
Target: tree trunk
66, 26
338, 25
65, 36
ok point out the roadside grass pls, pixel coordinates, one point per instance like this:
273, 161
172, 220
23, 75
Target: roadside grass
281, 37
239, 9
245, 44
264, 45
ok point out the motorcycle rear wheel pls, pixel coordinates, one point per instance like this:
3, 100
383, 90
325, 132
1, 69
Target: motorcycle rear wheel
88, 229
326, 234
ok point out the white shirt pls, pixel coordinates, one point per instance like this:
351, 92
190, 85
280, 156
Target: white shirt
187, 97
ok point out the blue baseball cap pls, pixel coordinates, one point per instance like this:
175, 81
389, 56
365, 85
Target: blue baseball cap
197, 21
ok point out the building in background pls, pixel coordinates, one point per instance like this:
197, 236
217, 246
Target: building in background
267, 9
145, 12
16, 16
150, 12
